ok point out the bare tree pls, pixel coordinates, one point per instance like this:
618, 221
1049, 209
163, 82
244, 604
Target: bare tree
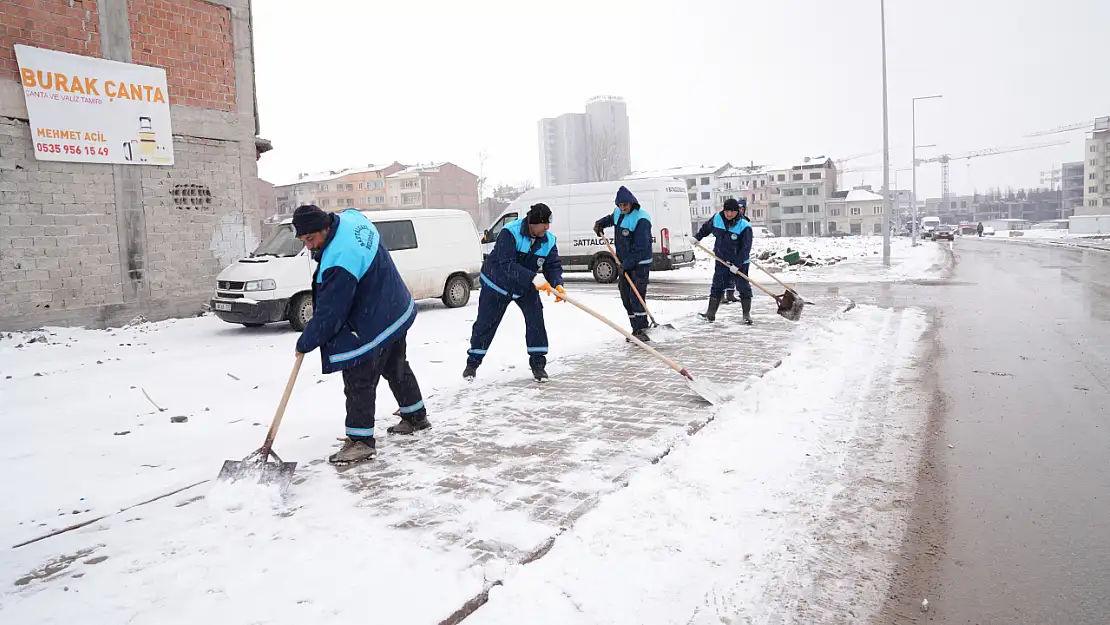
603, 156
507, 193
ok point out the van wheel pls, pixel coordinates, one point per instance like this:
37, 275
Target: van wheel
457, 292
300, 311
605, 270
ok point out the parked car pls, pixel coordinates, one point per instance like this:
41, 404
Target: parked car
944, 231
988, 230
762, 232
575, 208
837, 233
432, 250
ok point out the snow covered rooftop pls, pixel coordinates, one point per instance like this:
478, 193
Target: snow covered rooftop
679, 172
324, 176
862, 195
430, 168
736, 172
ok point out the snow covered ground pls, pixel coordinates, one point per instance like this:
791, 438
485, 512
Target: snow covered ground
785, 495
852, 259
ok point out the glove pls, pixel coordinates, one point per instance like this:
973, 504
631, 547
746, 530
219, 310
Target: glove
734, 269
598, 230
560, 290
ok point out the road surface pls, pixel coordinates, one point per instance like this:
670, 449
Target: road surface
1012, 519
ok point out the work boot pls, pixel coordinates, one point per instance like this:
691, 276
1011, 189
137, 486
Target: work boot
407, 426
354, 450
642, 335
710, 313
470, 371
730, 297
539, 374
746, 302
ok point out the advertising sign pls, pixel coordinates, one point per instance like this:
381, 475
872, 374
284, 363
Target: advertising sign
89, 110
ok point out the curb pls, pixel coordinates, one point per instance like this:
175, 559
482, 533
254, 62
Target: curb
1054, 244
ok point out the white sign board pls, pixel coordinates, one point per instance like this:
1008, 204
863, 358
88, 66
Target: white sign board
88, 110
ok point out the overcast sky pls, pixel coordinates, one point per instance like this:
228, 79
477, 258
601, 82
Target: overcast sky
349, 82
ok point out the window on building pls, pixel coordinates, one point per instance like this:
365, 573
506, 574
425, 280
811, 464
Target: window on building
1092, 202
814, 175
705, 180
693, 196
323, 203
877, 210
878, 228
792, 192
855, 210
774, 204
705, 195
963, 203
796, 177
1093, 162
813, 208
1091, 176
1108, 146
834, 212
782, 177
379, 199
410, 184
793, 210
1094, 149
832, 226
727, 186
691, 183
360, 186
1107, 189
1106, 201
762, 196
813, 191
1092, 189
759, 211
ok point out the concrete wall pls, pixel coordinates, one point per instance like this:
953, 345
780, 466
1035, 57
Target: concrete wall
96, 245
1089, 224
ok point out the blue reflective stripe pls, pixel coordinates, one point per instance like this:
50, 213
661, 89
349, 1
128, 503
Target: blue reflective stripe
491, 285
644, 262
360, 431
476, 351
355, 353
537, 350
413, 408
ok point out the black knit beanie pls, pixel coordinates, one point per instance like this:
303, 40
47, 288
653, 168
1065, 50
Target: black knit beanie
309, 218
539, 214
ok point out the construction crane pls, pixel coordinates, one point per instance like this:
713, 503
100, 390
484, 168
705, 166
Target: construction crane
1098, 123
944, 159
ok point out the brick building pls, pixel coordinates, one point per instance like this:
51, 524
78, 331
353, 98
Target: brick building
363, 188
438, 185
99, 243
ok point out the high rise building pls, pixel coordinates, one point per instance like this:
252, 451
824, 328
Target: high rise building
1096, 182
586, 147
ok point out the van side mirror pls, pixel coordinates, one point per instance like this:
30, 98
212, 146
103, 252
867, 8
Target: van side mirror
485, 236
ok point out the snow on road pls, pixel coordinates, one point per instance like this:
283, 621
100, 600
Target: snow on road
852, 259
784, 509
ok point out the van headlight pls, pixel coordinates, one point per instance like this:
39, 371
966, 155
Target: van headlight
260, 285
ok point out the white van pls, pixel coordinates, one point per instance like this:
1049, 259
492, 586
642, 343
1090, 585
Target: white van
928, 224
575, 208
436, 252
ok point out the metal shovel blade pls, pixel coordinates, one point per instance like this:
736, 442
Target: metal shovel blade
790, 306
259, 470
662, 332
706, 391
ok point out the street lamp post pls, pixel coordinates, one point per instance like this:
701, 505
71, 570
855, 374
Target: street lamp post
886, 147
913, 194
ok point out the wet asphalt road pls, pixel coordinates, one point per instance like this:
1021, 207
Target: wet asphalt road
1012, 522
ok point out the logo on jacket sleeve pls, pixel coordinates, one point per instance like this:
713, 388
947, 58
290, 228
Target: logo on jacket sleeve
539, 263
734, 237
624, 232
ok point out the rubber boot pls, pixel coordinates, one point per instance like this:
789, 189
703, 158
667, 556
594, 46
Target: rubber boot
470, 371
710, 313
730, 297
746, 302
407, 427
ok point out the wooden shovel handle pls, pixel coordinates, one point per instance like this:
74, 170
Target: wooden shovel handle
670, 363
272, 434
731, 267
783, 284
632, 284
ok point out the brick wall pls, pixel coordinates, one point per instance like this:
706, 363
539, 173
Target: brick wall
65, 25
59, 246
192, 40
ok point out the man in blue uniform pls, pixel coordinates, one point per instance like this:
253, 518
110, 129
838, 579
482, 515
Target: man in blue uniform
632, 231
741, 285
362, 311
523, 249
732, 244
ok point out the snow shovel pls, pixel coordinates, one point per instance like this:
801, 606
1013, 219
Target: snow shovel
789, 304
652, 325
701, 388
257, 464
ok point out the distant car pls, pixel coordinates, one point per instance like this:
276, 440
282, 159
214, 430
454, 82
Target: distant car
987, 230
944, 232
838, 233
763, 232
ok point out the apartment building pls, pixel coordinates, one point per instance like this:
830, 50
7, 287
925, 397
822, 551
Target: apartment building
798, 196
586, 147
436, 185
702, 182
1072, 187
751, 184
956, 209
356, 187
859, 211
1096, 179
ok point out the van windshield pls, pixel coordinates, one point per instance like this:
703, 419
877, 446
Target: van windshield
283, 242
